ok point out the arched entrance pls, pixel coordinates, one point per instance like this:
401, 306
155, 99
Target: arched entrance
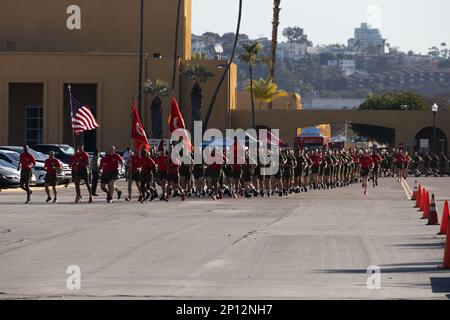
424, 140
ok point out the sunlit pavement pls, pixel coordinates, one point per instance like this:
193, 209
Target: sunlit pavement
309, 246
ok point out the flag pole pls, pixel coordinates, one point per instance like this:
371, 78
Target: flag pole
71, 115
141, 57
133, 99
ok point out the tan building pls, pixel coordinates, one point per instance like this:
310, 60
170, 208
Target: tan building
93, 45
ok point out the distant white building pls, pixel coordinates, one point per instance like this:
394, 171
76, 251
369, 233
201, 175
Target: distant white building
291, 51
341, 49
199, 43
366, 37
347, 66
330, 103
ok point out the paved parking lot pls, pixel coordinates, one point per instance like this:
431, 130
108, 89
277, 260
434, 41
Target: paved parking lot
310, 246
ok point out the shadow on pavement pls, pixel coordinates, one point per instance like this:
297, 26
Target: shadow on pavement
399, 268
421, 245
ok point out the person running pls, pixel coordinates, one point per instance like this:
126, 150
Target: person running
328, 170
126, 158
315, 169
51, 167
162, 161
173, 178
110, 173
25, 166
134, 175
148, 170
366, 164
95, 171
376, 159
186, 176
81, 163
400, 161
213, 173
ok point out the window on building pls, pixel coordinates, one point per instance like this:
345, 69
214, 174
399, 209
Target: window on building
33, 124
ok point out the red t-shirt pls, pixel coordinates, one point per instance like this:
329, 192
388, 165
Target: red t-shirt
26, 160
147, 164
376, 158
135, 163
80, 160
51, 165
217, 166
366, 162
400, 158
236, 167
174, 167
162, 162
72, 163
316, 159
110, 162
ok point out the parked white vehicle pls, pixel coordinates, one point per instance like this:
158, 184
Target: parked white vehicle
13, 158
10, 177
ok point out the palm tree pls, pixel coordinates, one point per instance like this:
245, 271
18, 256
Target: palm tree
200, 75
199, 56
265, 91
273, 51
157, 89
251, 55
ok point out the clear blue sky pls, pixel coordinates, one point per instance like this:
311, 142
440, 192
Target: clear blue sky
408, 24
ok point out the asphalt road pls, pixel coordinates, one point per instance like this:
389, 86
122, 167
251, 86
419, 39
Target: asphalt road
309, 246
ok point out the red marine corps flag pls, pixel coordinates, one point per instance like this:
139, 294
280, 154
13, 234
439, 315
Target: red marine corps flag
176, 121
137, 130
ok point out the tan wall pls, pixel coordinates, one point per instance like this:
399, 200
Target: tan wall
282, 103
407, 124
116, 79
106, 26
114, 75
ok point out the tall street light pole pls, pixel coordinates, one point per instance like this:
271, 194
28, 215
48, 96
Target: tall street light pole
141, 59
435, 109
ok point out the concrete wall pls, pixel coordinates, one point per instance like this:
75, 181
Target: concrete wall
220, 117
244, 102
114, 75
106, 26
406, 124
116, 78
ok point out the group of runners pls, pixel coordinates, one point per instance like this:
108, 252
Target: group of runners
156, 175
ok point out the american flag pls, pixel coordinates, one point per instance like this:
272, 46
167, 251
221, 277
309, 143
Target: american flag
82, 117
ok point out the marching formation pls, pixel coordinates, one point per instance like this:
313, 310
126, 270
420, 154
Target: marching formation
156, 175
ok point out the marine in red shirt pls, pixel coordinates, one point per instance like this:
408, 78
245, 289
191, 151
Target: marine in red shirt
80, 163
51, 166
162, 161
110, 173
173, 177
26, 163
135, 175
148, 167
366, 162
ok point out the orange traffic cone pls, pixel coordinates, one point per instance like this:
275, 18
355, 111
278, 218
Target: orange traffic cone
419, 193
426, 209
432, 215
422, 200
414, 195
445, 216
446, 264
